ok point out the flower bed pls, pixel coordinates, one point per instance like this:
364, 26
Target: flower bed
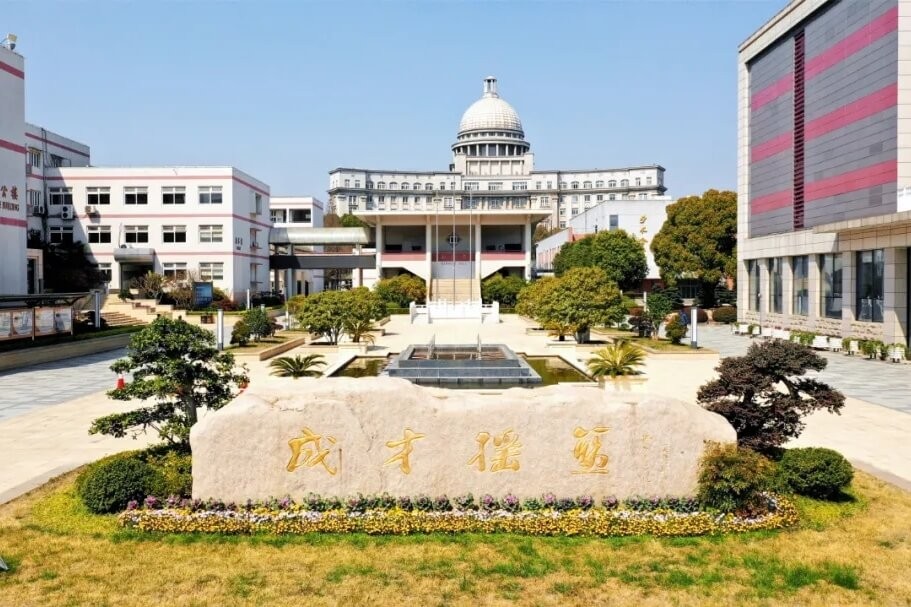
386, 515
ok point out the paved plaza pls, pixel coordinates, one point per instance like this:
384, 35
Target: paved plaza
46, 410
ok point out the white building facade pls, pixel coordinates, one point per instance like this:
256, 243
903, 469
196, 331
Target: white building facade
13, 223
476, 219
824, 170
290, 212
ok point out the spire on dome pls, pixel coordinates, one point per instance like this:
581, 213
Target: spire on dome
490, 87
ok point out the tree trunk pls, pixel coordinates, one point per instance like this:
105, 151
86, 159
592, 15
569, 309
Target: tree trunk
189, 408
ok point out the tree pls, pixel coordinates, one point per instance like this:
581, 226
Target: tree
331, 313
542, 232
622, 358
502, 289
151, 285
176, 365
240, 334
258, 323
297, 366
659, 305
67, 269
352, 221
698, 241
616, 252
401, 290
748, 393
580, 299
364, 306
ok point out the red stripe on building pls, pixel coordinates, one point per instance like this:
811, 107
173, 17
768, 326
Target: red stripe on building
775, 90
59, 145
155, 178
13, 147
771, 147
10, 221
771, 202
106, 254
867, 177
850, 44
142, 216
864, 107
6, 67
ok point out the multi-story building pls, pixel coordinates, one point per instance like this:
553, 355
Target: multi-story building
824, 156
288, 213
477, 217
207, 222
13, 224
639, 218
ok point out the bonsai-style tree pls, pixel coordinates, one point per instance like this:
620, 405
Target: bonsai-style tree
619, 254
332, 313
621, 358
401, 290
698, 240
748, 393
177, 367
297, 366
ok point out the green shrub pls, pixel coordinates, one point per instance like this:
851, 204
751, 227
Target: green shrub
815, 472
675, 330
109, 484
173, 474
727, 314
732, 479
240, 334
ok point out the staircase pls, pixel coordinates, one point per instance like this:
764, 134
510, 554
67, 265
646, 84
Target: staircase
455, 290
141, 311
118, 319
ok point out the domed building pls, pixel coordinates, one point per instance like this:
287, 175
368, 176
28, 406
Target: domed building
456, 227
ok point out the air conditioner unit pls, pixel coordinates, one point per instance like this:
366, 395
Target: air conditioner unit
90, 210
66, 212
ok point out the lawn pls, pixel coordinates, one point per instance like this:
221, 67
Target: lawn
255, 347
647, 343
851, 553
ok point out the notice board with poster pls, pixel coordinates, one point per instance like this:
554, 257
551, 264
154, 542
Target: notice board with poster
203, 294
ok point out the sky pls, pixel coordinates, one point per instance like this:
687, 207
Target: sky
287, 91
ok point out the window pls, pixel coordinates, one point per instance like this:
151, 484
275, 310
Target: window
447, 203
587, 198
133, 195
575, 185
61, 234
176, 270
381, 185
638, 181
34, 158
519, 186
173, 195
428, 186
416, 186
800, 272
562, 211
34, 198
612, 197
369, 185
775, 285
545, 202
614, 222
643, 196
870, 266
135, 234
830, 271
347, 183
599, 197
753, 284
105, 270
99, 234
624, 183
254, 276
562, 224
210, 194
211, 233
587, 185
404, 186
211, 270
95, 196
357, 183
574, 211
648, 181
537, 185
495, 185
257, 203
612, 183
254, 238
174, 233
301, 215
58, 161
60, 195
472, 185
393, 185
277, 215
550, 185
563, 185
599, 184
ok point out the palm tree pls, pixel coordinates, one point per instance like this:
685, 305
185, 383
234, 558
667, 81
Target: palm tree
297, 366
621, 358
360, 331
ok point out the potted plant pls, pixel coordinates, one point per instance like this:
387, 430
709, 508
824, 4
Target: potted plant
851, 345
897, 352
871, 348
614, 364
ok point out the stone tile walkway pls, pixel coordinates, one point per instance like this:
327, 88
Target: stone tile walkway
32, 388
881, 383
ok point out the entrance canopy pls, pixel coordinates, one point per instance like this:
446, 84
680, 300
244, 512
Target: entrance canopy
319, 236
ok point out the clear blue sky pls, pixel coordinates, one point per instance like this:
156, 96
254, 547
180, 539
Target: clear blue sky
288, 90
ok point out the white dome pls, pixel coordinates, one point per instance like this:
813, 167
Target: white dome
490, 112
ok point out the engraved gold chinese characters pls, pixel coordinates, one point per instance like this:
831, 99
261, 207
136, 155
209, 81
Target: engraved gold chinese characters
403, 457
506, 450
307, 451
588, 450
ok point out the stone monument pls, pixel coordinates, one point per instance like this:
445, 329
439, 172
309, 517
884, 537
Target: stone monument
342, 436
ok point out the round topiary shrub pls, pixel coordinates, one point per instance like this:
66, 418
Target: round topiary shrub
108, 485
726, 314
732, 479
815, 471
675, 330
173, 474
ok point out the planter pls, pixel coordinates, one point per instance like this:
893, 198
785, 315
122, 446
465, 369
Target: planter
207, 319
835, 344
628, 384
353, 347
897, 354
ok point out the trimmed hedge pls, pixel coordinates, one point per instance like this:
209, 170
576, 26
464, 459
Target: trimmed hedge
726, 314
815, 472
111, 483
733, 479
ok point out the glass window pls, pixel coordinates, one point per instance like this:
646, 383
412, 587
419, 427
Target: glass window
775, 285
99, 234
428, 186
648, 181
34, 158
258, 203
587, 185
381, 185
60, 195
132, 195
369, 185
136, 234
800, 272
211, 270
870, 266
174, 233
300, 215
830, 271
519, 185
599, 184
638, 181
210, 194
176, 270
612, 183
587, 198
624, 183
575, 185
495, 185
211, 233
347, 183
612, 197
277, 215
61, 234
753, 284
105, 270
173, 195
599, 197
614, 222
357, 183
95, 196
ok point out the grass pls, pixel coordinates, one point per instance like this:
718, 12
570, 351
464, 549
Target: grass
254, 347
647, 343
851, 552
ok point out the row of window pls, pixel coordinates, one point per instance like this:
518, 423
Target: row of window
96, 196
291, 215
208, 270
868, 292
139, 234
34, 159
516, 185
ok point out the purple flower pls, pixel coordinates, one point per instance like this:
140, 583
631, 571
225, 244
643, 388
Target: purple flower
510, 502
585, 502
173, 501
488, 502
151, 502
550, 500
285, 503
132, 505
610, 502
